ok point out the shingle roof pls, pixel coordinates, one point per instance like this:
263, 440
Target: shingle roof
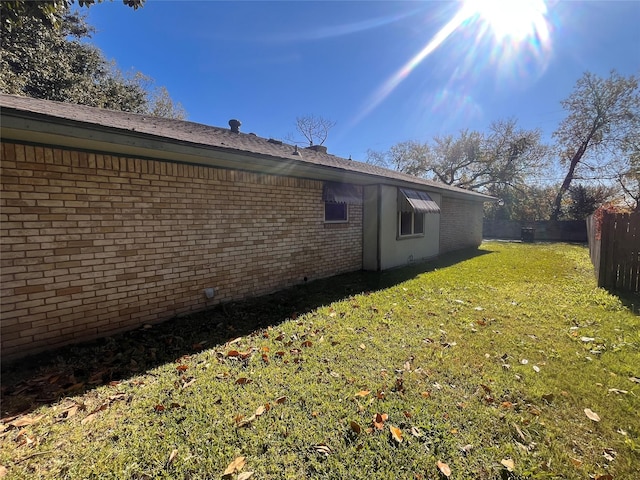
204, 135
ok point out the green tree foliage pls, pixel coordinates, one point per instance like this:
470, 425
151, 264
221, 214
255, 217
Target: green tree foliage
500, 162
54, 63
504, 157
628, 176
584, 200
50, 12
599, 135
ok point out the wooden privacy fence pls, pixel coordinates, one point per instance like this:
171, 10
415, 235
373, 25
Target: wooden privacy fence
614, 246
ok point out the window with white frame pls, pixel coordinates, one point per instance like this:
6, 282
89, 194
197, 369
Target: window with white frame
336, 212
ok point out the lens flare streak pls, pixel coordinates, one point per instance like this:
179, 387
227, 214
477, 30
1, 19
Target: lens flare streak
520, 33
394, 81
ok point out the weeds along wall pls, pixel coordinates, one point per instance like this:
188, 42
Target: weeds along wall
460, 224
93, 244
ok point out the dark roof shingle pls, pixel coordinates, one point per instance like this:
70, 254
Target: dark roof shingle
205, 135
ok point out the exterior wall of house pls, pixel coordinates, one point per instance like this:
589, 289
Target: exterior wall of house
370, 228
461, 225
93, 244
382, 230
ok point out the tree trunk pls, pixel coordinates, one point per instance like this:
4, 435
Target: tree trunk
557, 204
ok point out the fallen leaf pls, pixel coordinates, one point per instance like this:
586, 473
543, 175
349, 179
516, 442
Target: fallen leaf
242, 381
576, 463
260, 410
508, 464
466, 449
536, 368
396, 433
322, 448
415, 431
3, 471
244, 475
159, 408
182, 368
362, 346
355, 427
426, 394
281, 400
363, 393
591, 415
444, 468
189, 383
233, 353
520, 434
91, 417
243, 422
548, 397
379, 419
306, 344
71, 411
606, 476
172, 457
26, 421
615, 390
533, 410
234, 466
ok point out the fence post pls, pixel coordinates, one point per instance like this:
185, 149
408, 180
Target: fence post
606, 279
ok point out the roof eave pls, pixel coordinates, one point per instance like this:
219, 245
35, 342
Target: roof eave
38, 128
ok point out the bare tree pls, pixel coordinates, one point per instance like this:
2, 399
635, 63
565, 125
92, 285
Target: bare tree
315, 129
603, 121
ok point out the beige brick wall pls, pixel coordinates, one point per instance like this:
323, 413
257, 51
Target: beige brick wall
93, 244
460, 224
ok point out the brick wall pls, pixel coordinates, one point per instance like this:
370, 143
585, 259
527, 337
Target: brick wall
93, 244
460, 224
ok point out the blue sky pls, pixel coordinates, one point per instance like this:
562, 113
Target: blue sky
265, 63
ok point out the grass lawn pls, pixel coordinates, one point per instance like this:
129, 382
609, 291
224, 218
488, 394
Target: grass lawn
508, 363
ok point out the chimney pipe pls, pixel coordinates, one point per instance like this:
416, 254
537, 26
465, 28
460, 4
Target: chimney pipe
235, 125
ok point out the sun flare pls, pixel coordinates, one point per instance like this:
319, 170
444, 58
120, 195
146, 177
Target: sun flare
516, 20
510, 37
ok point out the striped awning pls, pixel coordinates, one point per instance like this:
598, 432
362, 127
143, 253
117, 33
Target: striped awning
416, 201
341, 193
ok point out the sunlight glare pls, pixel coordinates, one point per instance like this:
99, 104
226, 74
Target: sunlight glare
514, 19
512, 37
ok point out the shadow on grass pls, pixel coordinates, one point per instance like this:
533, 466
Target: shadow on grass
45, 378
629, 300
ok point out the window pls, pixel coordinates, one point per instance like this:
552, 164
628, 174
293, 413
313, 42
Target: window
413, 205
337, 197
411, 223
335, 212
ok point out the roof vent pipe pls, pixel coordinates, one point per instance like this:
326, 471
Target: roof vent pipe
235, 125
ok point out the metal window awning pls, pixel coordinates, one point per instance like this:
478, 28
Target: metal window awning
416, 201
341, 193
